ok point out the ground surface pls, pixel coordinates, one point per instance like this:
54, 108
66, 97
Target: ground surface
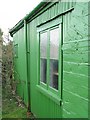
10, 106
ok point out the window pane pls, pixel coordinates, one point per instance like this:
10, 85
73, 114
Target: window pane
16, 50
54, 43
43, 45
54, 53
43, 70
43, 57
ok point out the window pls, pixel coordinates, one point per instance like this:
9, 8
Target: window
16, 50
49, 50
43, 56
54, 57
50, 58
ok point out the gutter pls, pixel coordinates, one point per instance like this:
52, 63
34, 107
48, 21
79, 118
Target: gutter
27, 78
20, 24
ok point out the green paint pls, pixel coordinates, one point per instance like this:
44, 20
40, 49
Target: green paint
73, 59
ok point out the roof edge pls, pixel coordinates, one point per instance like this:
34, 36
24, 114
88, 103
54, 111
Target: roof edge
21, 22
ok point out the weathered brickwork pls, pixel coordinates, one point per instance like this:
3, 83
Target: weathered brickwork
0, 49
0, 78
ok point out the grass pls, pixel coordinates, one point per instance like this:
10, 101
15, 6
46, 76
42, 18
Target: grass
10, 107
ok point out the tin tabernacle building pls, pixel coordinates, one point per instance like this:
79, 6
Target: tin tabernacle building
51, 59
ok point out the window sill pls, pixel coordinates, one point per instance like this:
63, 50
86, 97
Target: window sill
49, 94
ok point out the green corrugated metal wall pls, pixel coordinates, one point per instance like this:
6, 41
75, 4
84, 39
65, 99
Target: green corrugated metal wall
75, 63
75, 54
20, 65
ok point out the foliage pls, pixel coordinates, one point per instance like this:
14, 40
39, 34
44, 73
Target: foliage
11, 106
7, 63
1, 39
1, 33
